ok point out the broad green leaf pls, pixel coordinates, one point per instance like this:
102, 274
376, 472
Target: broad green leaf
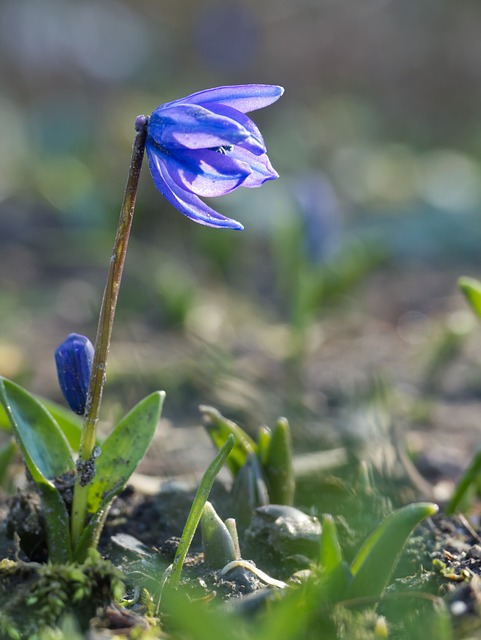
277, 465
376, 559
219, 429
43, 445
120, 455
472, 290
70, 423
47, 455
123, 450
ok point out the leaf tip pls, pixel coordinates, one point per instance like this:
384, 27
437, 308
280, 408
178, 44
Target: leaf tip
431, 509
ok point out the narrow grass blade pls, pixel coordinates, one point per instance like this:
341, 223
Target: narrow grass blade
195, 514
375, 561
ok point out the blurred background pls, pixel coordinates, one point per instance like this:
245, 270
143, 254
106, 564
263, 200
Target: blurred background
346, 271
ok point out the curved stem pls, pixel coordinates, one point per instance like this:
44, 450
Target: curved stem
85, 463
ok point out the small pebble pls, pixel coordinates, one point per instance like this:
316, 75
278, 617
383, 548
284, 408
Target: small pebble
474, 552
458, 608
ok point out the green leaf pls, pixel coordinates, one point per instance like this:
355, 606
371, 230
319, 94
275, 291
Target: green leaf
277, 465
70, 423
219, 429
7, 453
330, 554
57, 523
43, 445
217, 542
4, 421
249, 491
263, 438
120, 455
90, 535
464, 490
47, 455
376, 559
472, 291
191, 618
123, 450
335, 572
197, 508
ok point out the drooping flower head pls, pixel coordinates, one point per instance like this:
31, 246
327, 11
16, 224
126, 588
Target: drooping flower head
74, 365
204, 145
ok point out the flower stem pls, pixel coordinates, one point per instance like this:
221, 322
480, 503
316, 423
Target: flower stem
86, 459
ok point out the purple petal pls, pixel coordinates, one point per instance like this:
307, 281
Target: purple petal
194, 127
205, 172
243, 97
255, 142
187, 203
261, 168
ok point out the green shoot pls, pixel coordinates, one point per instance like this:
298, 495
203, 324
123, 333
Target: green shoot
197, 508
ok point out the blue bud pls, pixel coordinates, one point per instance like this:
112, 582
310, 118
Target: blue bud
74, 365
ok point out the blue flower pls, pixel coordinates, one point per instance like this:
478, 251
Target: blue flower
205, 145
74, 365
320, 216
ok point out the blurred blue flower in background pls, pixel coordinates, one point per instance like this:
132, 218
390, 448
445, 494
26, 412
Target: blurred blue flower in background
205, 145
74, 365
320, 215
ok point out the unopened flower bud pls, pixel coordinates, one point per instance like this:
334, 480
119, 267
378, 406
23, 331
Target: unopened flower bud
74, 365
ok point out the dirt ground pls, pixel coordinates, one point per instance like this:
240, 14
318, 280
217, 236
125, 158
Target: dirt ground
390, 376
